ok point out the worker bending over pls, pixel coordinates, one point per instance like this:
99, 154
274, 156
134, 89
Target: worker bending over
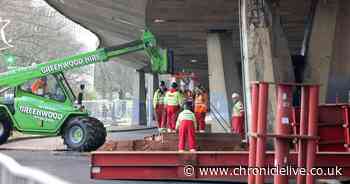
173, 101
201, 107
186, 125
237, 122
159, 107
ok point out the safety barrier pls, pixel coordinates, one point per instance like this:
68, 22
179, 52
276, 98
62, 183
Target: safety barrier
13, 173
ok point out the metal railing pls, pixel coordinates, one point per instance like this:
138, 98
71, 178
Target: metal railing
12, 172
219, 119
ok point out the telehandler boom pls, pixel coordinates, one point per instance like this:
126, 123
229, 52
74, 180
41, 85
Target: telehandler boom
38, 100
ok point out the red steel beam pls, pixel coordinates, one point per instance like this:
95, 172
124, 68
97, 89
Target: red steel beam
262, 128
254, 127
170, 165
312, 131
302, 132
282, 127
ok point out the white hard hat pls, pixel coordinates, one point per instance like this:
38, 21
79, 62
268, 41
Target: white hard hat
235, 95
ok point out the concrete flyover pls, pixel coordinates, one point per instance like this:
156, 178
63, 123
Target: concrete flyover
279, 41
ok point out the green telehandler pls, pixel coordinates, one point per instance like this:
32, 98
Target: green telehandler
38, 99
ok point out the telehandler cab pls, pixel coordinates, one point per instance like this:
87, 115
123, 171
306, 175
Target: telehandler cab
38, 99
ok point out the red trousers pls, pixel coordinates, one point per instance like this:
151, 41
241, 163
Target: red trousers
237, 125
200, 117
187, 132
171, 112
160, 115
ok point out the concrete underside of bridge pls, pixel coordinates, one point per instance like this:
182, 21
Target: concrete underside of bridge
232, 40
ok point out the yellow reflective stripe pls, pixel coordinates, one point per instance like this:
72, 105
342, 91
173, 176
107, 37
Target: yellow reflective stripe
173, 98
186, 115
237, 108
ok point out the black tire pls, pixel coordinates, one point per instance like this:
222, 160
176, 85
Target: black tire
5, 130
92, 130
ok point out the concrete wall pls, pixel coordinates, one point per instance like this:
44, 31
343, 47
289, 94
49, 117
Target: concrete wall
321, 46
339, 79
328, 56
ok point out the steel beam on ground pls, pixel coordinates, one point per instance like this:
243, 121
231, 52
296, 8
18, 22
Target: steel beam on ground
170, 165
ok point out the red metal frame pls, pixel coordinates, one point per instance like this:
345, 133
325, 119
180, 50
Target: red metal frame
262, 121
282, 127
312, 131
309, 133
170, 165
254, 127
302, 132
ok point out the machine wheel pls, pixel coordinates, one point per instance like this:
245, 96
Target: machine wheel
84, 134
5, 131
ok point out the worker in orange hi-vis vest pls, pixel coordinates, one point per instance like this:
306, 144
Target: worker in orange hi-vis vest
173, 100
158, 105
39, 86
201, 107
186, 125
237, 122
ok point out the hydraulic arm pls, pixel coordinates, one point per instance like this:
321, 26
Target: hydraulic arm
158, 57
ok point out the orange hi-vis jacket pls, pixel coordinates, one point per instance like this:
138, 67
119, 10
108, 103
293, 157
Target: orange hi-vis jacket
201, 103
37, 85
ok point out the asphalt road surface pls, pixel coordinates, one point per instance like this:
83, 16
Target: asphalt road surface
70, 166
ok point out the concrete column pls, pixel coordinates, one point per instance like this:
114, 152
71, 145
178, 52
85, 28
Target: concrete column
266, 56
224, 76
232, 68
320, 52
139, 116
152, 86
339, 79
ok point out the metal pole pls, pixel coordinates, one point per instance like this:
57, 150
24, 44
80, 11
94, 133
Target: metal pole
312, 131
301, 179
254, 124
261, 139
282, 127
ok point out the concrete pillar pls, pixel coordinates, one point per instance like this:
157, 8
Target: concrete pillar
266, 56
224, 76
320, 52
139, 116
152, 86
339, 79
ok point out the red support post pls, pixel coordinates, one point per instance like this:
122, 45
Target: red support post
283, 127
346, 126
301, 179
253, 130
312, 131
262, 121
